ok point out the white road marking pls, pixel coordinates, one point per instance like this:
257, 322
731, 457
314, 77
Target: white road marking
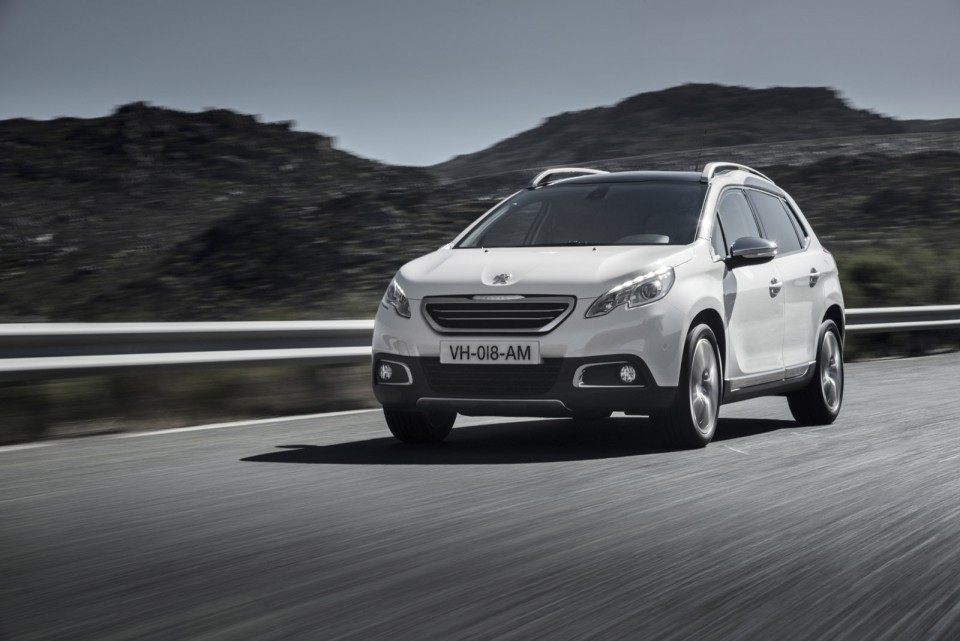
22, 446
734, 449
262, 421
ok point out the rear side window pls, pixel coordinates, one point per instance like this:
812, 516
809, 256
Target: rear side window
736, 217
776, 222
801, 232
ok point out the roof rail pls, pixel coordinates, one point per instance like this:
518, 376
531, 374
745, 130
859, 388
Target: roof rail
543, 178
712, 168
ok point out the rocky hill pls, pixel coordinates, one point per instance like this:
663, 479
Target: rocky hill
155, 214
87, 206
288, 258
683, 119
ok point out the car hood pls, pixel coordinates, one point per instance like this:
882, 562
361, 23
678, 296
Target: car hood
584, 272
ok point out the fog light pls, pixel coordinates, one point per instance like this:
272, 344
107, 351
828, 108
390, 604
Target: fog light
385, 372
628, 374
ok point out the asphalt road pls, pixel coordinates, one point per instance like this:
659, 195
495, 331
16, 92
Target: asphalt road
328, 529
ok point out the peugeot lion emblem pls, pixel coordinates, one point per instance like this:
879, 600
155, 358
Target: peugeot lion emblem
501, 279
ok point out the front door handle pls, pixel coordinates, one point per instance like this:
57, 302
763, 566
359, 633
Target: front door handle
814, 276
775, 285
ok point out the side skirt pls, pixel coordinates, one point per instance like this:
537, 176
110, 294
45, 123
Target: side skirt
770, 388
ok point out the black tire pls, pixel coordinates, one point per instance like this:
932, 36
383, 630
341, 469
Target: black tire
691, 421
414, 426
819, 402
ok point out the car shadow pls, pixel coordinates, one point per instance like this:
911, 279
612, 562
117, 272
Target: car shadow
734, 428
516, 442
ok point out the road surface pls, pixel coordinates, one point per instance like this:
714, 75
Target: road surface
327, 528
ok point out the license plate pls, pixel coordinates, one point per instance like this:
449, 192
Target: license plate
490, 352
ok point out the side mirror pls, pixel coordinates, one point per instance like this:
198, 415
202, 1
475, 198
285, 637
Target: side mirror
751, 249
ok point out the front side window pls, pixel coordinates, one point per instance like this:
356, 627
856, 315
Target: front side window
736, 217
638, 213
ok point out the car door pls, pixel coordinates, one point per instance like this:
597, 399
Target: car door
801, 291
752, 300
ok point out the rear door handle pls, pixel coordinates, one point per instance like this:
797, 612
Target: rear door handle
775, 285
814, 276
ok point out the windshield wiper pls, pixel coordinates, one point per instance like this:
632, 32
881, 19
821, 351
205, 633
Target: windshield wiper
571, 243
566, 243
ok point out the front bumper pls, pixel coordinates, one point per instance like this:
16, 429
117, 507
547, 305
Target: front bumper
556, 387
653, 333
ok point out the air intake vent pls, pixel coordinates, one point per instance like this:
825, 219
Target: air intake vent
523, 315
491, 381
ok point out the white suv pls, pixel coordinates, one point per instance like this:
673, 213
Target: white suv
655, 293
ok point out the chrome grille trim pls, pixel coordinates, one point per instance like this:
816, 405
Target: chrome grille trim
470, 315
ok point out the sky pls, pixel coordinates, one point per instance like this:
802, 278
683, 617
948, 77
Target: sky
419, 81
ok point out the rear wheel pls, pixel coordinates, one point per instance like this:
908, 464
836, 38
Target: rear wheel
819, 402
415, 426
692, 420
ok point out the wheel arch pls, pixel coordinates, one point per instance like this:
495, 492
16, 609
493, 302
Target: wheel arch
835, 313
712, 319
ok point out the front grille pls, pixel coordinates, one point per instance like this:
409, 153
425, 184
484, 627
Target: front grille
491, 381
523, 315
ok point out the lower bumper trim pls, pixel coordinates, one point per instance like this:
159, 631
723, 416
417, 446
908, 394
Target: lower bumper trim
560, 398
497, 407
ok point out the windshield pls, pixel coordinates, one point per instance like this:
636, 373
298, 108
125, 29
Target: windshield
638, 213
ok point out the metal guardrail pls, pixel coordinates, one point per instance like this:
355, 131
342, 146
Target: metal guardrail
52, 350
49, 350
878, 320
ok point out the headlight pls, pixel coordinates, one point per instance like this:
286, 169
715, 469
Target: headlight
642, 290
395, 298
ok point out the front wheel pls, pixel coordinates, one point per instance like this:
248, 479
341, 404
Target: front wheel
819, 402
415, 426
692, 420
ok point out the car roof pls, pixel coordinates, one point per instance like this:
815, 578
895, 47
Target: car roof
633, 176
661, 176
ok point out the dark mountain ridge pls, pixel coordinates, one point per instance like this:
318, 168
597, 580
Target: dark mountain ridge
89, 204
683, 118
156, 214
